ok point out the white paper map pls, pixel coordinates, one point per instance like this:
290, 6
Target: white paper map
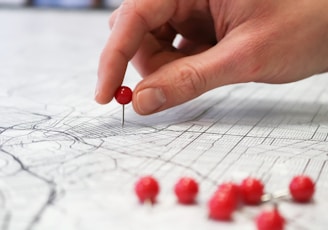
66, 163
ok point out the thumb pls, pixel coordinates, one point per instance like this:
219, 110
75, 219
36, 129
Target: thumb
189, 77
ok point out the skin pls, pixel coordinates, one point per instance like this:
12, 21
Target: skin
223, 42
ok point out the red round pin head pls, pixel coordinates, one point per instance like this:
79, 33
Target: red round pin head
222, 205
302, 188
270, 220
147, 189
232, 188
251, 191
123, 95
186, 190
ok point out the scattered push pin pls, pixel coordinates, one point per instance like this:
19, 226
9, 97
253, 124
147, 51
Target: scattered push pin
222, 205
251, 190
302, 188
186, 190
232, 188
270, 219
147, 189
123, 96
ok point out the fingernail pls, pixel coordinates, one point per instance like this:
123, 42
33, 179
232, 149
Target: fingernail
148, 100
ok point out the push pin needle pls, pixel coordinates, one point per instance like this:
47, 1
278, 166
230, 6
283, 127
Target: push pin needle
123, 96
122, 121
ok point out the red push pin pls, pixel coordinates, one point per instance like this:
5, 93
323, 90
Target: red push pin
302, 188
222, 205
251, 191
147, 189
123, 96
232, 188
270, 220
186, 190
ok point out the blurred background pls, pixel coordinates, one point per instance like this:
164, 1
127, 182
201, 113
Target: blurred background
72, 4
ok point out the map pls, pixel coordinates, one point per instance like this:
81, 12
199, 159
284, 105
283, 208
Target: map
67, 163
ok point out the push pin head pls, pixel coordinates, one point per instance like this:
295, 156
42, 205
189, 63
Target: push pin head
186, 190
302, 188
123, 96
251, 191
147, 189
222, 205
270, 219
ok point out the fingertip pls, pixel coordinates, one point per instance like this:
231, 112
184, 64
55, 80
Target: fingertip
149, 100
110, 76
101, 99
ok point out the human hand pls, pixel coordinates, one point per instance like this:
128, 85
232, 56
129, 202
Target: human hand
224, 42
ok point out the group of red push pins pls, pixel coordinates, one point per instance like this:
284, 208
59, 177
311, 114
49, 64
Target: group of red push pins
230, 196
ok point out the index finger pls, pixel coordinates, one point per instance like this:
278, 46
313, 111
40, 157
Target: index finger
134, 19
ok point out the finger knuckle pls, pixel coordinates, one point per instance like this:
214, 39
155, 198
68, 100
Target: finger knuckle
129, 8
189, 81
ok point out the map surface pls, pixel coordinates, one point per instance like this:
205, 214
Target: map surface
66, 162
